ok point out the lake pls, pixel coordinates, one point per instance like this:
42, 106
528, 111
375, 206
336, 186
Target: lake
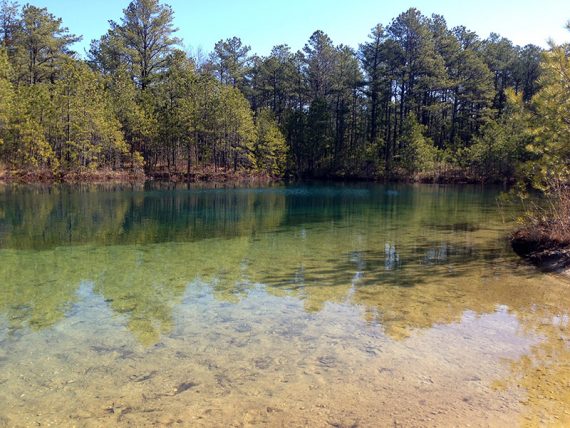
304, 305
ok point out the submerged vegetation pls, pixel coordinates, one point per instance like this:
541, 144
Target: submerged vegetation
416, 100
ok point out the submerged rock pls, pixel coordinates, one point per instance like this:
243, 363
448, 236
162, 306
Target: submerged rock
185, 386
548, 255
328, 361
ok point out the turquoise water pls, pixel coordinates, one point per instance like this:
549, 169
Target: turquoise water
319, 305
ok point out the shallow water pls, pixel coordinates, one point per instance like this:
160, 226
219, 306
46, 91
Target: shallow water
322, 305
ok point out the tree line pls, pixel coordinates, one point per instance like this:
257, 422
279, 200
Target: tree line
416, 97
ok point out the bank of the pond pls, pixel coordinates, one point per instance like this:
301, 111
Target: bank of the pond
220, 175
44, 176
547, 254
209, 175
544, 239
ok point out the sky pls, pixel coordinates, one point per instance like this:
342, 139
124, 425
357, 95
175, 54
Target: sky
265, 23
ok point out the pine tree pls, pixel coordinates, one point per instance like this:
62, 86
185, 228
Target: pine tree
551, 128
6, 95
142, 41
270, 146
85, 124
231, 61
41, 45
9, 14
417, 153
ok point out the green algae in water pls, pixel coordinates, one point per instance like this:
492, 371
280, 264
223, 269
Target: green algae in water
285, 305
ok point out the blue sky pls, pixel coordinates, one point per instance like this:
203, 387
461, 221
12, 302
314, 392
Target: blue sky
265, 23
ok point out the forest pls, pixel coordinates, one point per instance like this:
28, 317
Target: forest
417, 100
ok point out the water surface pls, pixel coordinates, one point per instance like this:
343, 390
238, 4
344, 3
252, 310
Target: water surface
320, 305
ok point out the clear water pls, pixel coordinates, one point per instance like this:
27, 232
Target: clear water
320, 305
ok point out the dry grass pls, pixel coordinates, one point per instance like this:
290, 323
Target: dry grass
103, 176
34, 176
89, 176
544, 238
209, 174
548, 222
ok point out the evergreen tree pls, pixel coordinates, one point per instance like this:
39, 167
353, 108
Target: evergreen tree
417, 153
231, 62
86, 133
137, 126
274, 81
270, 147
499, 150
414, 94
25, 145
41, 45
500, 55
9, 14
550, 128
374, 59
143, 41
6, 94
320, 61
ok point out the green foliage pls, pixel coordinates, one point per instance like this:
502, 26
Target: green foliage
231, 58
417, 153
26, 145
41, 44
414, 93
22, 141
270, 146
550, 130
318, 137
8, 22
87, 133
500, 148
143, 41
321, 58
236, 130
273, 81
136, 125
6, 93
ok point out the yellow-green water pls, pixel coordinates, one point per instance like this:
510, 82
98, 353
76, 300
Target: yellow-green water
317, 305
